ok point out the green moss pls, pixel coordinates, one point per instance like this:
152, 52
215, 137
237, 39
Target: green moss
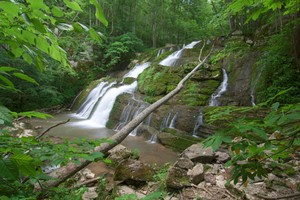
175, 140
128, 80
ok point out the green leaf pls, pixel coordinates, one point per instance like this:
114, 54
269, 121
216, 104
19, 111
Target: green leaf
275, 106
99, 12
7, 82
24, 163
8, 169
42, 44
94, 35
153, 196
38, 4
7, 69
5, 115
260, 133
10, 8
127, 197
27, 58
73, 5
92, 156
25, 77
57, 11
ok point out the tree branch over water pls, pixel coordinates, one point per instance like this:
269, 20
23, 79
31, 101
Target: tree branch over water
62, 174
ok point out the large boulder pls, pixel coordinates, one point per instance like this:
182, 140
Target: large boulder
197, 153
184, 163
133, 172
177, 178
119, 153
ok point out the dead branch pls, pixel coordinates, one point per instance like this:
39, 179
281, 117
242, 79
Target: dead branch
279, 197
86, 182
48, 129
63, 173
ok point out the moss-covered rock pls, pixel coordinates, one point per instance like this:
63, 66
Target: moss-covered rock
177, 141
128, 80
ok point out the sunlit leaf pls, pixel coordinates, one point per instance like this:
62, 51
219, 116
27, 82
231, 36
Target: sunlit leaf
25, 77
73, 5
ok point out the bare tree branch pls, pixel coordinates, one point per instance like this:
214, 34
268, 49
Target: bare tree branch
69, 170
48, 129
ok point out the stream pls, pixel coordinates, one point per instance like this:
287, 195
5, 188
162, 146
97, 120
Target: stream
149, 152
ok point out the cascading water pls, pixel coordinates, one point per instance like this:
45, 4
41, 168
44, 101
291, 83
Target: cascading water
173, 121
101, 99
86, 108
172, 59
220, 90
165, 122
198, 124
137, 70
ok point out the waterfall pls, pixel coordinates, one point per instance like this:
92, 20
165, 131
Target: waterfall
172, 124
161, 51
165, 122
86, 108
220, 90
153, 139
198, 124
172, 59
101, 112
100, 101
137, 70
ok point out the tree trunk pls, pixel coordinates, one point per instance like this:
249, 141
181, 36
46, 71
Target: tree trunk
69, 170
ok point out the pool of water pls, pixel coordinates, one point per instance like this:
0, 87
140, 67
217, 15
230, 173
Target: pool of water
149, 152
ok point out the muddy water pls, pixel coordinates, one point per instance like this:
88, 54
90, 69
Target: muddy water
149, 152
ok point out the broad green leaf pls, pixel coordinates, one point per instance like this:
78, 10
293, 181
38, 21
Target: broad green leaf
57, 11
99, 12
73, 5
28, 36
38, 4
8, 169
25, 77
38, 25
153, 196
260, 133
27, 58
24, 163
42, 44
5, 115
17, 51
10, 8
92, 156
275, 106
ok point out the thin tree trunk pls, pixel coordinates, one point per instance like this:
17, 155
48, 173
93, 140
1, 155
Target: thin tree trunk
69, 170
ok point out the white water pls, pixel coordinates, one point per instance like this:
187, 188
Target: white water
172, 59
165, 122
137, 70
101, 113
86, 108
220, 90
173, 121
198, 124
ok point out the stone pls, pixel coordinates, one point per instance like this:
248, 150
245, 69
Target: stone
210, 178
87, 173
220, 181
197, 153
119, 153
177, 178
133, 172
196, 174
184, 163
90, 194
222, 157
124, 189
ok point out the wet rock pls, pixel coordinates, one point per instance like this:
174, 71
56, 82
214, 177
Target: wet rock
133, 172
119, 153
26, 133
184, 163
177, 178
222, 157
197, 153
90, 194
196, 174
